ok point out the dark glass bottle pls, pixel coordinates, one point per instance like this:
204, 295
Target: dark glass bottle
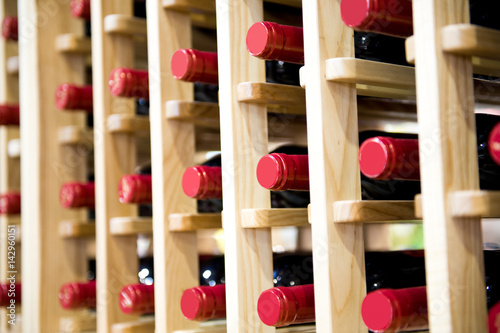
80, 295
395, 18
272, 41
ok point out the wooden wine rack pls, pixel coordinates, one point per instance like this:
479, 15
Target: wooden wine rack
446, 51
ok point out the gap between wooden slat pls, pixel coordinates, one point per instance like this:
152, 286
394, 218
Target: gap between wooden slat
377, 211
193, 222
125, 25
129, 226
274, 217
72, 43
76, 229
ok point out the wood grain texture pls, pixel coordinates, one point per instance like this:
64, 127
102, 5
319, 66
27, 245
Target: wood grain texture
193, 222
365, 211
374, 73
474, 203
73, 44
338, 251
172, 151
129, 226
471, 40
122, 24
445, 100
270, 93
74, 135
115, 155
244, 140
127, 123
76, 229
222, 329
134, 327
199, 113
273, 217
84, 322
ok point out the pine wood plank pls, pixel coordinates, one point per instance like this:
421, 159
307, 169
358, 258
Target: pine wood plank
189, 5
373, 73
270, 93
248, 257
222, 329
76, 229
73, 44
471, 40
273, 217
199, 113
135, 327
128, 226
83, 322
338, 250
12, 65
172, 151
193, 222
124, 25
474, 203
73, 135
454, 247
127, 123
115, 154
365, 211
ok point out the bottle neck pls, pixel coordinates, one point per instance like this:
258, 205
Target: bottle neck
280, 172
135, 188
203, 182
80, 9
10, 203
128, 82
10, 293
137, 299
73, 97
191, 65
9, 115
77, 295
204, 303
77, 195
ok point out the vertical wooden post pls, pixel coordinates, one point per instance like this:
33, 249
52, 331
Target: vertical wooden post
448, 155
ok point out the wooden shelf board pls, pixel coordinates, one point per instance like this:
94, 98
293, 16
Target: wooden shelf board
73, 135
274, 217
309, 213
82, 322
471, 40
127, 123
72, 43
124, 25
76, 229
190, 5
223, 329
14, 148
199, 113
12, 219
374, 211
12, 65
193, 222
372, 73
129, 226
270, 93
134, 327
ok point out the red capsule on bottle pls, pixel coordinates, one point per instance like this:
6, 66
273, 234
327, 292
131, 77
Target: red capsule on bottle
191, 65
494, 144
77, 195
9, 115
80, 9
77, 295
128, 82
135, 188
204, 303
10, 292
10, 203
280, 172
203, 182
74, 97
9, 28
137, 299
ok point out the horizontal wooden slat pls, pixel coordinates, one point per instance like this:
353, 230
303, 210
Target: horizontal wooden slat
475, 203
270, 93
199, 113
72, 135
471, 40
126, 123
125, 25
134, 327
71, 43
129, 226
374, 73
222, 329
367, 211
76, 229
12, 65
193, 222
14, 148
291, 3
274, 217
84, 322
189, 5
12, 219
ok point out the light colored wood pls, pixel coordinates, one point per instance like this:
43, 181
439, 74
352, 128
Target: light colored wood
115, 154
454, 246
199, 113
12, 65
474, 203
471, 40
76, 229
172, 151
124, 25
46, 167
73, 44
248, 254
272, 217
270, 93
222, 329
418, 206
410, 49
189, 5
134, 327
14, 148
85, 321
128, 226
74, 135
333, 151
127, 123
203, 20
366, 211
193, 222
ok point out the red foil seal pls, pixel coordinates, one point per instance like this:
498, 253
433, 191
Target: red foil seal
10, 203
203, 182
494, 144
388, 17
135, 188
80, 9
9, 28
191, 65
137, 299
128, 82
283, 306
273, 41
10, 293
77, 195
280, 172
76, 295
204, 303
396, 310
9, 115
73, 97
385, 158
494, 318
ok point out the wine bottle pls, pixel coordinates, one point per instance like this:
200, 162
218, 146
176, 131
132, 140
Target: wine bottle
198, 66
10, 203
137, 189
80, 9
494, 318
9, 28
73, 97
128, 82
77, 195
396, 18
10, 293
494, 144
9, 115
272, 41
78, 295
392, 156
